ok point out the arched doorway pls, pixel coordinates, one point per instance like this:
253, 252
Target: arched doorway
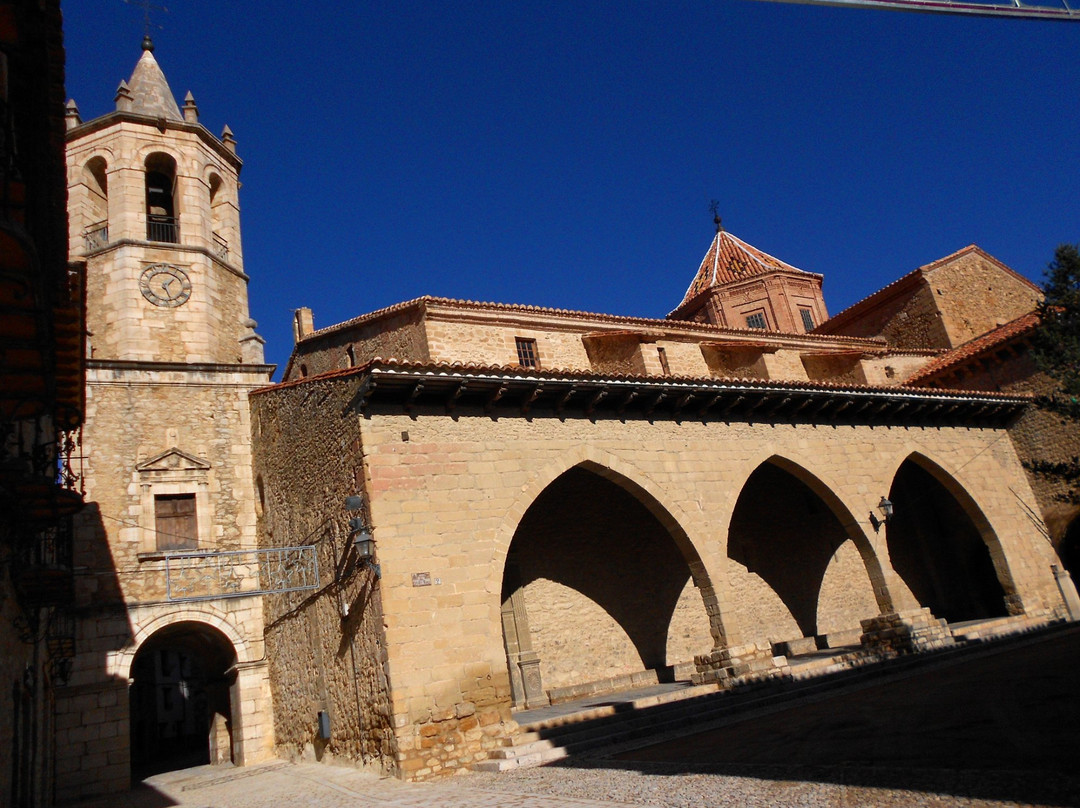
183, 678
590, 586
797, 571
937, 549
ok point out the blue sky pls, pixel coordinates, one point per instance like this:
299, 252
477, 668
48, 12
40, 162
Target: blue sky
565, 154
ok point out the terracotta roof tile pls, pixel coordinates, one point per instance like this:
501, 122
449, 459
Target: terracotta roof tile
729, 259
452, 368
980, 345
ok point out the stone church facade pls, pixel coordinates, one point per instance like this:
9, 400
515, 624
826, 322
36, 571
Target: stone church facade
171, 357
559, 502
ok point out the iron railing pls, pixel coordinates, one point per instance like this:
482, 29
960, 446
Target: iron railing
164, 229
221, 247
240, 573
96, 236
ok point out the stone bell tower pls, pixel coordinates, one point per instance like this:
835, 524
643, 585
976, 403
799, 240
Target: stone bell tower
168, 649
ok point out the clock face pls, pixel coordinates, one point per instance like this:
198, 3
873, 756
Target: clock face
165, 285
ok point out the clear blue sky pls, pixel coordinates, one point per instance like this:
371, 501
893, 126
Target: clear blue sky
564, 154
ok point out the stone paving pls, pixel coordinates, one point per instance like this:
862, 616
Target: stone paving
990, 730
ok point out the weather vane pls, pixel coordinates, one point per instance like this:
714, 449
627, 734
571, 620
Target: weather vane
147, 6
714, 209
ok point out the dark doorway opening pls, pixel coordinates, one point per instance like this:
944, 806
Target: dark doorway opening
938, 551
181, 704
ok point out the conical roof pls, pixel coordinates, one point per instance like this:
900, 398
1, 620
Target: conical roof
728, 259
150, 91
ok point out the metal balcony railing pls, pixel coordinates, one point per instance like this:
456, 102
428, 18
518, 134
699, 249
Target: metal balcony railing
221, 247
162, 228
96, 236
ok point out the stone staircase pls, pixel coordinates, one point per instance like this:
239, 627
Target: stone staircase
551, 734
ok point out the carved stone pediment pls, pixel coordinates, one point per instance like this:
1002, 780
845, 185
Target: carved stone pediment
173, 460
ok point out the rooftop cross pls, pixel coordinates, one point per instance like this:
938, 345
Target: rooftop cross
147, 25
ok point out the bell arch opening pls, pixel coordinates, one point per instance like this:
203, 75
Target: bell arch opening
162, 223
940, 545
802, 572
183, 699
597, 593
96, 221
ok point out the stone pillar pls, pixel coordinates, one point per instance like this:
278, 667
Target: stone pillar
526, 687
740, 663
1067, 588
905, 632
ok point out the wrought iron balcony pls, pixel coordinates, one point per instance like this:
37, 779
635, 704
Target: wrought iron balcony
162, 228
42, 566
221, 247
96, 236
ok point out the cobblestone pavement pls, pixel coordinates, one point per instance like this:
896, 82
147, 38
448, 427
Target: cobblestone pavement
994, 730
588, 784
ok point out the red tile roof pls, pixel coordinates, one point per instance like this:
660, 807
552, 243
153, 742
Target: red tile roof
473, 368
728, 259
978, 346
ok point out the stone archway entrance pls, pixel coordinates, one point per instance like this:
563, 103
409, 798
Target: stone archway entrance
938, 551
796, 576
182, 699
596, 595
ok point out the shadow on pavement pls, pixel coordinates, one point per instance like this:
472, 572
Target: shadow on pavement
999, 726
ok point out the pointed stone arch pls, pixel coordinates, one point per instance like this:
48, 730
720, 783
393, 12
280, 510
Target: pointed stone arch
786, 528
596, 542
925, 496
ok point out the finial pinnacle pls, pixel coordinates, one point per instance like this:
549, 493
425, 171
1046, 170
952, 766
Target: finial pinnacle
147, 43
714, 208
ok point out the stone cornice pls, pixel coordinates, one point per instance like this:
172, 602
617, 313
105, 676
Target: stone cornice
161, 125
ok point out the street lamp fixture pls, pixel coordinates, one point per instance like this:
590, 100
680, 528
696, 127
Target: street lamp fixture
886, 508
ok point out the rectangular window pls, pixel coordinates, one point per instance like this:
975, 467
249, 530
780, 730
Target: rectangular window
175, 523
755, 320
807, 319
663, 361
526, 352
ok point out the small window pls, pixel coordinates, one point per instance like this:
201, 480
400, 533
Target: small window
664, 366
350, 356
807, 319
526, 352
175, 523
755, 320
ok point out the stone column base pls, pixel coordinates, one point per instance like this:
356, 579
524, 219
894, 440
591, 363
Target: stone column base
905, 632
731, 665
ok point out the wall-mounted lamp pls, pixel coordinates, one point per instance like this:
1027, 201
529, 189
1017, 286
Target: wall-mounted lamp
362, 539
886, 508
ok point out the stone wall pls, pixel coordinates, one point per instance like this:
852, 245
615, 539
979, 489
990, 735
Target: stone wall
400, 335
976, 293
133, 415
448, 495
326, 647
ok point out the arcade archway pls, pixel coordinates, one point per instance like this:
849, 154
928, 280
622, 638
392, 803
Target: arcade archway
183, 680
798, 571
592, 587
938, 550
